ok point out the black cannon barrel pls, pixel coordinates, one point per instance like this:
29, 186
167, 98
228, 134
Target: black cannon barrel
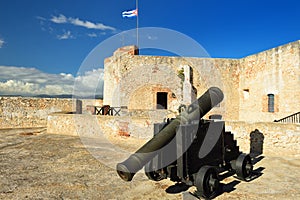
195, 111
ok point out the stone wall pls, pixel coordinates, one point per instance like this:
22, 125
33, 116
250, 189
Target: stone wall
95, 125
276, 135
275, 71
24, 112
21, 112
133, 80
222, 73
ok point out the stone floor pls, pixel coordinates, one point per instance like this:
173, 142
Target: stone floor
36, 165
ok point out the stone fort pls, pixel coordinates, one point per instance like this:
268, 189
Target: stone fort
258, 88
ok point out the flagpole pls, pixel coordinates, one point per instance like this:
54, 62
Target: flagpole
137, 24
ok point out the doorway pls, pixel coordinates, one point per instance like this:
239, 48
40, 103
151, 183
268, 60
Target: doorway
162, 100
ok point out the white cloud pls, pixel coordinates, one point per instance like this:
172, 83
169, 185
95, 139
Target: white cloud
31, 81
1, 42
92, 35
18, 87
61, 19
90, 83
90, 25
66, 35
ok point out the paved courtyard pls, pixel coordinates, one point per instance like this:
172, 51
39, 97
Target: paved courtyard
37, 165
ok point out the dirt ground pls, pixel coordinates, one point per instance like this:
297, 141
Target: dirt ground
47, 166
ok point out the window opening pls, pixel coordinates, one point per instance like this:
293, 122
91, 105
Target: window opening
270, 102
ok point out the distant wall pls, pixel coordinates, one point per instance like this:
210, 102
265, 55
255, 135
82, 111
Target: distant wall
276, 135
21, 112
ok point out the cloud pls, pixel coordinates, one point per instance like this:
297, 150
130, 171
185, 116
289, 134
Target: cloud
90, 83
61, 19
95, 29
66, 35
1, 43
92, 35
31, 81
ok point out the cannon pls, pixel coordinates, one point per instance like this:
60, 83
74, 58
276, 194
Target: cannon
190, 150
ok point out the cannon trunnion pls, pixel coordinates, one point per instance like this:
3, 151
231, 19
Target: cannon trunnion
190, 150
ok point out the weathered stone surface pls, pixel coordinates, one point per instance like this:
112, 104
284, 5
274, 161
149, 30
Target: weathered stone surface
285, 136
91, 125
133, 80
21, 112
48, 166
275, 71
141, 126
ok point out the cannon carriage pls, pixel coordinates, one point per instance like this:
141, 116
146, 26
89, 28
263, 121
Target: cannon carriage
190, 150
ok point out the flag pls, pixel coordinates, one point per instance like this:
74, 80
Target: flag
131, 13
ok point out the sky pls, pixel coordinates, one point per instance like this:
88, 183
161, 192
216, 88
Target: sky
43, 43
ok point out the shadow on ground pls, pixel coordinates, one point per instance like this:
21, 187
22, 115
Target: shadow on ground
224, 187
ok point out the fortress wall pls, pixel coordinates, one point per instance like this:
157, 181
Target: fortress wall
133, 81
222, 73
114, 66
97, 125
275, 71
276, 135
151, 75
133, 78
21, 112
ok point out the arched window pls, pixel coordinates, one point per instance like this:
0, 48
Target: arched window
270, 102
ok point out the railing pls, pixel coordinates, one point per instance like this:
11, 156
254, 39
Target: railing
104, 110
294, 118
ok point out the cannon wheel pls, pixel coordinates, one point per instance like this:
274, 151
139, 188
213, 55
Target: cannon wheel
155, 175
243, 166
207, 181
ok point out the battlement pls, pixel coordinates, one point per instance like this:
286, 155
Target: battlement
123, 51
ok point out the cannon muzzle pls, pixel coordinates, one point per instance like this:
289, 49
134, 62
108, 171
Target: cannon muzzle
195, 111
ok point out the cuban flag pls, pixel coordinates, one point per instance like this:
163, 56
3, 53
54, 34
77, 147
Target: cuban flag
130, 13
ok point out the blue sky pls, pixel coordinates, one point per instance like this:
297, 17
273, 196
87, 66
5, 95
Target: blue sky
54, 36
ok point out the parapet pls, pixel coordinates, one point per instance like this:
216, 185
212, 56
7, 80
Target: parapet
129, 50
126, 50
